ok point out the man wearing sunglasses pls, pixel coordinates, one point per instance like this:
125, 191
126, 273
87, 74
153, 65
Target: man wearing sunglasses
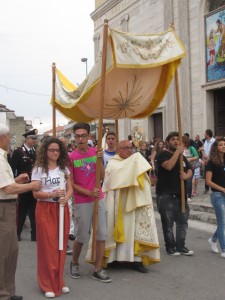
22, 161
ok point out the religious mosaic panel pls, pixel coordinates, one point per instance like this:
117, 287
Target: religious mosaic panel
215, 45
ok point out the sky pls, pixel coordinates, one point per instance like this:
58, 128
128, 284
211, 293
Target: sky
33, 35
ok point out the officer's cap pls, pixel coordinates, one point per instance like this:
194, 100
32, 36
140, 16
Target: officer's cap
31, 133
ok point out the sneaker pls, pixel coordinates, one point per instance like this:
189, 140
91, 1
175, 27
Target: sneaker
69, 251
74, 271
50, 295
172, 252
213, 246
223, 254
65, 290
189, 200
101, 275
71, 237
186, 252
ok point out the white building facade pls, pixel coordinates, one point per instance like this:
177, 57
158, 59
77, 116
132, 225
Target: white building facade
202, 100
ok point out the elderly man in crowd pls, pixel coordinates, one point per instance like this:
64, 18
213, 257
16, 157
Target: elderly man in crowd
9, 188
132, 235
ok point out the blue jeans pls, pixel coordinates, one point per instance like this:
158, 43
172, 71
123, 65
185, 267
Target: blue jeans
169, 207
218, 203
189, 185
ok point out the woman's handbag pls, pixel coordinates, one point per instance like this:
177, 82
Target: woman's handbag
195, 164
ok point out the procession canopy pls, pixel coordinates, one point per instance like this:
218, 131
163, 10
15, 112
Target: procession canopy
139, 70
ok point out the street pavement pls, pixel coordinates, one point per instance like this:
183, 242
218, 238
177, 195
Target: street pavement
174, 278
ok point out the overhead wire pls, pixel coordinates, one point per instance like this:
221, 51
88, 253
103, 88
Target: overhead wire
26, 75
23, 91
33, 75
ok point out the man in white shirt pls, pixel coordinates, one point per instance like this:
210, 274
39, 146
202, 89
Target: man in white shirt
209, 140
110, 140
9, 188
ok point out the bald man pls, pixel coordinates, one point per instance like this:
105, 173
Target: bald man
132, 235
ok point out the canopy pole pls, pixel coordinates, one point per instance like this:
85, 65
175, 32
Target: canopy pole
180, 141
180, 133
117, 134
100, 126
53, 101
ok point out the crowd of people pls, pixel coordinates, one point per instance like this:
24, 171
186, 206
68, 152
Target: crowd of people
56, 180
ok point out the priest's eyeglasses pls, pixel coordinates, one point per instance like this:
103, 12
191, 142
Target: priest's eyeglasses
127, 148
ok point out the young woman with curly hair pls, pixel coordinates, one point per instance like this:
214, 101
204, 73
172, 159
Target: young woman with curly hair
52, 159
215, 178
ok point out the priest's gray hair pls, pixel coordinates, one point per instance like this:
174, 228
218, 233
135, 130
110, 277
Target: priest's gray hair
4, 129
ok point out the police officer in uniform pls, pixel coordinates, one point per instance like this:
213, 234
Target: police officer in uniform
22, 161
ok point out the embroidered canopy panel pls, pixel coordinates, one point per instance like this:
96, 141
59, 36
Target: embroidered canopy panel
139, 71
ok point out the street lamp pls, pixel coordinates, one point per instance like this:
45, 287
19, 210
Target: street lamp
39, 120
84, 59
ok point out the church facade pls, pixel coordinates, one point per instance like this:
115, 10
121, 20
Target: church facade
200, 25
